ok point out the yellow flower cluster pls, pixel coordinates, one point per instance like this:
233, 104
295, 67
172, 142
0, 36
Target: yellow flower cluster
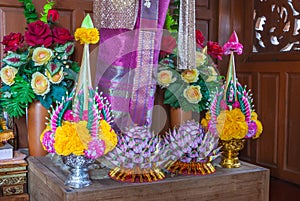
108, 135
205, 120
231, 124
258, 124
71, 138
87, 35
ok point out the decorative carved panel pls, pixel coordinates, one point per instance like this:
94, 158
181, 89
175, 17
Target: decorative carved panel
276, 25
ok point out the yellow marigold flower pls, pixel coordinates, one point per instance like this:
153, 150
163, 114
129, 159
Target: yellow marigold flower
8, 75
57, 77
259, 129
231, 124
40, 84
67, 140
254, 115
205, 120
192, 94
83, 132
41, 55
165, 78
87, 35
108, 135
190, 76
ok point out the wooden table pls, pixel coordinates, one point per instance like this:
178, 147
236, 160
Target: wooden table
247, 183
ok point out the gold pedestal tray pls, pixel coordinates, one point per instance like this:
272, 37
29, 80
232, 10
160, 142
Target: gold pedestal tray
192, 168
230, 151
136, 175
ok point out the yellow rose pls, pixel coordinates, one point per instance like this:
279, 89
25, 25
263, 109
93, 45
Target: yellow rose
57, 77
40, 84
165, 78
8, 74
192, 94
41, 55
190, 76
212, 74
200, 58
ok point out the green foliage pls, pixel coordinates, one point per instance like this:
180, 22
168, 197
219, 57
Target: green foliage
16, 99
15, 60
29, 11
48, 6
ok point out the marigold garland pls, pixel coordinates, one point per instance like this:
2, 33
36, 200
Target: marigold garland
87, 35
108, 135
231, 124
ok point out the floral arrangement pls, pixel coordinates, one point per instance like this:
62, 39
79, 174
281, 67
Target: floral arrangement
189, 89
139, 156
78, 131
37, 64
80, 124
232, 114
194, 148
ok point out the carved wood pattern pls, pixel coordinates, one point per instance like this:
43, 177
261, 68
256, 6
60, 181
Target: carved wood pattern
276, 26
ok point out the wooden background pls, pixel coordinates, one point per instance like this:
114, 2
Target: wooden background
273, 76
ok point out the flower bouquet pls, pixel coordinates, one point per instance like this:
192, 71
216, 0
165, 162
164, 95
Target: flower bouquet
37, 65
79, 128
231, 114
189, 89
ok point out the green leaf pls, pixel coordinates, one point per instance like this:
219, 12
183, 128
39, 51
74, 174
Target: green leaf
15, 60
21, 94
67, 48
53, 67
46, 101
58, 92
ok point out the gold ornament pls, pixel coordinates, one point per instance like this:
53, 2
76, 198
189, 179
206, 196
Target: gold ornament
230, 151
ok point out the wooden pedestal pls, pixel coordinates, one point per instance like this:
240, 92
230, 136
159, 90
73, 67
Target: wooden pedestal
247, 183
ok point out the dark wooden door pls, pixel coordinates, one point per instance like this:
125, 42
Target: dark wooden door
12, 20
270, 66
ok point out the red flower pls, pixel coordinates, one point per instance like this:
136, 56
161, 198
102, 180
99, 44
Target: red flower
168, 44
215, 50
12, 42
52, 15
199, 38
38, 33
61, 35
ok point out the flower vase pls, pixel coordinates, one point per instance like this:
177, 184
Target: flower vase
36, 123
179, 116
230, 151
78, 176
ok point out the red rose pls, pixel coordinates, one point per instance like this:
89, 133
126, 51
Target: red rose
61, 35
199, 39
38, 33
168, 44
12, 42
52, 15
215, 50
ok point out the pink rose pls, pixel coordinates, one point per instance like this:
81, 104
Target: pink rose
38, 34
12, 42
61, 35
52, 15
